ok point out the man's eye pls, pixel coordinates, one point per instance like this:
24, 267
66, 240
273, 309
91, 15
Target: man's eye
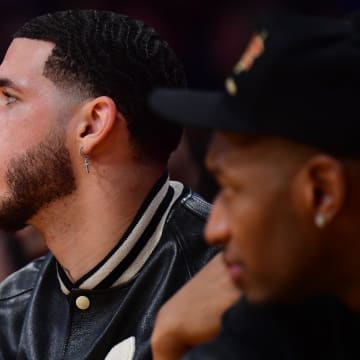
9, 99
227, 193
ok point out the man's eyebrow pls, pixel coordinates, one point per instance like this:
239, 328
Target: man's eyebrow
212, 165
5, 82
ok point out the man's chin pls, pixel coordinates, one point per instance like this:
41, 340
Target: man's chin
269, 296
262, 295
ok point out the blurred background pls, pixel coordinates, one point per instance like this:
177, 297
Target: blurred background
208, 37
206, 34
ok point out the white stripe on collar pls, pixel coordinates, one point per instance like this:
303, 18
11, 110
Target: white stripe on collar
128, 244
153, 241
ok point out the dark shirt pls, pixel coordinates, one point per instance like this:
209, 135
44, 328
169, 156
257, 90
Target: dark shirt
320, 328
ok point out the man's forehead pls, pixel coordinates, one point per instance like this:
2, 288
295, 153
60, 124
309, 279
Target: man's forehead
25, 58
231, 149
225, 143
223, 147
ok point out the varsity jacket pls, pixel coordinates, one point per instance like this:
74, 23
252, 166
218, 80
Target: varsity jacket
109, 313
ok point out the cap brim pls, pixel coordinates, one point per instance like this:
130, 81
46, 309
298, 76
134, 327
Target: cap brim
196, 108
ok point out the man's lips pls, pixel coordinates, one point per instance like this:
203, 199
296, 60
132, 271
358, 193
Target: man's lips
235, 269
235, 272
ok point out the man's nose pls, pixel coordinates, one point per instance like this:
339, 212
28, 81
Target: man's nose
217, 228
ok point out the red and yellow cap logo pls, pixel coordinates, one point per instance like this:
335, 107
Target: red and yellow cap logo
255, 48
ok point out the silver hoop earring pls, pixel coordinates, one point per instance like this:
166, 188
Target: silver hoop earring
86, 160
320, 220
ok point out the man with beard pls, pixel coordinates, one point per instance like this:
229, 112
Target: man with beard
84, 162
285, 153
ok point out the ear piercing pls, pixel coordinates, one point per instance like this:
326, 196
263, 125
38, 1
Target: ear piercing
320, 220
86, 160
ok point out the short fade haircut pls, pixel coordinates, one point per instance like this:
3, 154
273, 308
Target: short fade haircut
105, 53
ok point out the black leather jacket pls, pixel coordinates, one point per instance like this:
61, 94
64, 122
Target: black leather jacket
38, 321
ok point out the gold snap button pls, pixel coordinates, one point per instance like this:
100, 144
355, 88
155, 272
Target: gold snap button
82, 302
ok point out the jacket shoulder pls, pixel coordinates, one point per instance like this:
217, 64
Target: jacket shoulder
196, 204
188, 221
190, 211
22, 280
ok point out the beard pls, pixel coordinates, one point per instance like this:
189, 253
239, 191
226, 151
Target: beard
35, 179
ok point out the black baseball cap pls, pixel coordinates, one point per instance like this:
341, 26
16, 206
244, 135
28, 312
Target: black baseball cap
299, 78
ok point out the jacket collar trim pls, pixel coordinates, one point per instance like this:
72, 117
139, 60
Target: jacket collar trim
127, 258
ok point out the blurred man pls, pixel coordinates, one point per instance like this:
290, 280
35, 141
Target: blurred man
85, 163
285, 153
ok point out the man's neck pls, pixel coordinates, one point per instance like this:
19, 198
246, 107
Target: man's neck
346, 267
81, 229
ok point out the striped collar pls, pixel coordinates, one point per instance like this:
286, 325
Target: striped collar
126, 259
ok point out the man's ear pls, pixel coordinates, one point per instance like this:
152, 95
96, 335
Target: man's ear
99, 117
323, 185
